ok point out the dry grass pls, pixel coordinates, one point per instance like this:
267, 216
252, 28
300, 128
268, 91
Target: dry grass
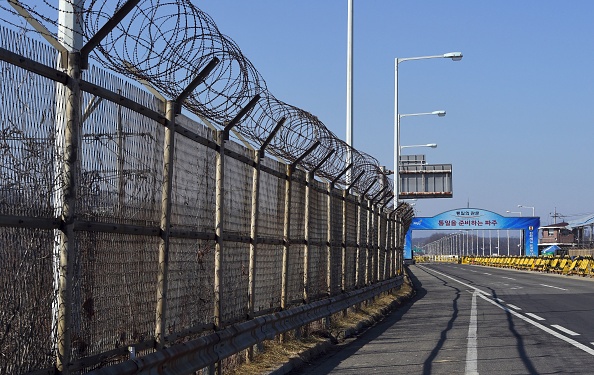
275, 353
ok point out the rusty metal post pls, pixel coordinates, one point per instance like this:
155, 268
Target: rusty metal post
307, 232
307, 218
392, 248
165, 225
397, 245
219, 230
387, 250
254, 225
345, 194
359, 238
67, 247
286, 241
253, 244
329, 279
286, 236
378, 263
385, 246
368, 243
222, 138
287, 226
254, 232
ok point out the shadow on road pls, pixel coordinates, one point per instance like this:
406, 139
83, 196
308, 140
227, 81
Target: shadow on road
343, 351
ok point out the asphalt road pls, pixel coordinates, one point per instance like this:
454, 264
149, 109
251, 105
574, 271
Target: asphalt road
469, 319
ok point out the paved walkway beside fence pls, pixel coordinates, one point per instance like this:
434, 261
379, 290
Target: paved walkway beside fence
429, 335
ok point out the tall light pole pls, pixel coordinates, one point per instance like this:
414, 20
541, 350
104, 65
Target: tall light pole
455, 56
520, 206
349, 89
430, 145
438, 113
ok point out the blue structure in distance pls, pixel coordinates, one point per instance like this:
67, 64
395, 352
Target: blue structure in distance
476, 218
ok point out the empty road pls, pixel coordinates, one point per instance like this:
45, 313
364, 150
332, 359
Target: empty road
469, 319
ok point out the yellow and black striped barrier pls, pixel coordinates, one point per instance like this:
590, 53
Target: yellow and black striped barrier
581, 266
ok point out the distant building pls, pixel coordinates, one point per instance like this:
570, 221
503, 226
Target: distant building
555, 235
566, 235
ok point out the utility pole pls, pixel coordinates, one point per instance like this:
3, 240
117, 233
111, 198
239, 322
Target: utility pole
555, 215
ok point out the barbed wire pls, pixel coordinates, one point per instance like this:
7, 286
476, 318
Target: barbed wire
168, 42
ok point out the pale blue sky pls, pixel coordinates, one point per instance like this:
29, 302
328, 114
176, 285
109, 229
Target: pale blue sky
519, 125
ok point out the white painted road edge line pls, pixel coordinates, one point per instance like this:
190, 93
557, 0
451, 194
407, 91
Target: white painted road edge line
485, 295
550, 286
563, 329
509, 278
472, 345
514, 306
535, 316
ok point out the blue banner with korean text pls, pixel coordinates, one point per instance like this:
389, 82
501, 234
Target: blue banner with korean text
476, 218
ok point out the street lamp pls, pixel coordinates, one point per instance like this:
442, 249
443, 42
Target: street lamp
438, 113
432, 145
455, 56
527, 207
514, 212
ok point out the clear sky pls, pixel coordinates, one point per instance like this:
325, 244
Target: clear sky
519, 125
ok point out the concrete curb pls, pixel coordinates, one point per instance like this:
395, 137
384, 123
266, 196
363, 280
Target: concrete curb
303, 358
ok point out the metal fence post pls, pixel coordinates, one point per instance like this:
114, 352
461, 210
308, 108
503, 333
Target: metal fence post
259, 155
254, 232
329, 280
287, 226
378, 263
386, 233
392, 243
344, 240
286, 236
368, 243
397, 242
168, 153
68, 185
358, 246
309, 180
307, 218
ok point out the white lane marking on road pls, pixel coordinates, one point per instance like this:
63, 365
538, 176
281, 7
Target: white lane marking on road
499, 300
509, 278
563, 329
513, 306
472, 345
535, 316
485, 296
550, 286
487, 274
568, 340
